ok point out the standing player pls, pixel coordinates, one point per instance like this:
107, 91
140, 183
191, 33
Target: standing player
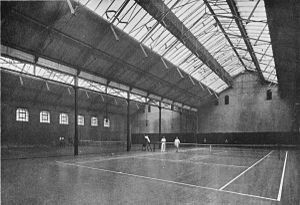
148, 146
176, 143
163, 144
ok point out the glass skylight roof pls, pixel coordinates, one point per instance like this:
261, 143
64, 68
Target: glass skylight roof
194, 14
257, 28
49, 74
140, 25
257, 31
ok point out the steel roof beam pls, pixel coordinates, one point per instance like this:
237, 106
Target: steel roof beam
101, 53
224, 32
157, 9
244, 34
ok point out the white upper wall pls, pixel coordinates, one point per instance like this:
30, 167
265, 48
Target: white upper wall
248, 109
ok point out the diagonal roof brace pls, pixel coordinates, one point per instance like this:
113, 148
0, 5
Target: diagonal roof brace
156, 8
224, 32
244, 34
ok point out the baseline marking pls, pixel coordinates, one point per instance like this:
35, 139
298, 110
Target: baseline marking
167, 181
282, 177
192, 162
223, 187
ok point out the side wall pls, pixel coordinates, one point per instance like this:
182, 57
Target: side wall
35, 97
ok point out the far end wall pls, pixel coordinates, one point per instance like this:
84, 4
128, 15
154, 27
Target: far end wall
173, 124
248, 115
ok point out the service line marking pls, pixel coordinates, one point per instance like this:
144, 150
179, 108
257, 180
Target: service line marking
223, 187
133, 156
167, 181
122, 157
192, 162
282, 177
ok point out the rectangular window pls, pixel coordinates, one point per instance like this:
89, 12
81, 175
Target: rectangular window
44, 117
63, 119
149, 108
106, 122
94, 121
269, 94
22, 115
226, 99
80, 119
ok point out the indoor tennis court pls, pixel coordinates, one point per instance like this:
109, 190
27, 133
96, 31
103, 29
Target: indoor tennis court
150, 102
225, 175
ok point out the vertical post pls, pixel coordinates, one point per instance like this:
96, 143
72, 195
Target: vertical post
76, 114
197, 127
159, 121
34, 65
128, 123
180, 119
1, 104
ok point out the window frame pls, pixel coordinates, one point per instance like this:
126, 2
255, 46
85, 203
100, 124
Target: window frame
106, 122
94, 121
269, 94
80, 120
63, 119
45, 114
226, 100
19, 115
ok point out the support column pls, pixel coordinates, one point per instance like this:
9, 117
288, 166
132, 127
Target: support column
180, 120
76, 115
197, 127
0, 103
159, 121
128, 123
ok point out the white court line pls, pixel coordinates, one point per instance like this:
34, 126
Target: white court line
121, 157
132, 156
282, 177
191, 150
192, 162
216, 153
167, 181
223, 187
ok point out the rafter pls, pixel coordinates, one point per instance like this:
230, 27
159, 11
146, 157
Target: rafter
244, 34
157, 9
224, 32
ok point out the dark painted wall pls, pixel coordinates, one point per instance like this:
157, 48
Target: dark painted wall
170, 137
173, 123
35, 97
34, 132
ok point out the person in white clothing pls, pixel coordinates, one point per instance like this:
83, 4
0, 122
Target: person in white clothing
176, 143
148, 146
163, 144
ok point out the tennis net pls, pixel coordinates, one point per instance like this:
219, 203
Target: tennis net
233, 150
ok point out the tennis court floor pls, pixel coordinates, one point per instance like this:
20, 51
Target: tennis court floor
192, 176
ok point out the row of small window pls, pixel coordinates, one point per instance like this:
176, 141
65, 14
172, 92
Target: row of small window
22, 114
226, 100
